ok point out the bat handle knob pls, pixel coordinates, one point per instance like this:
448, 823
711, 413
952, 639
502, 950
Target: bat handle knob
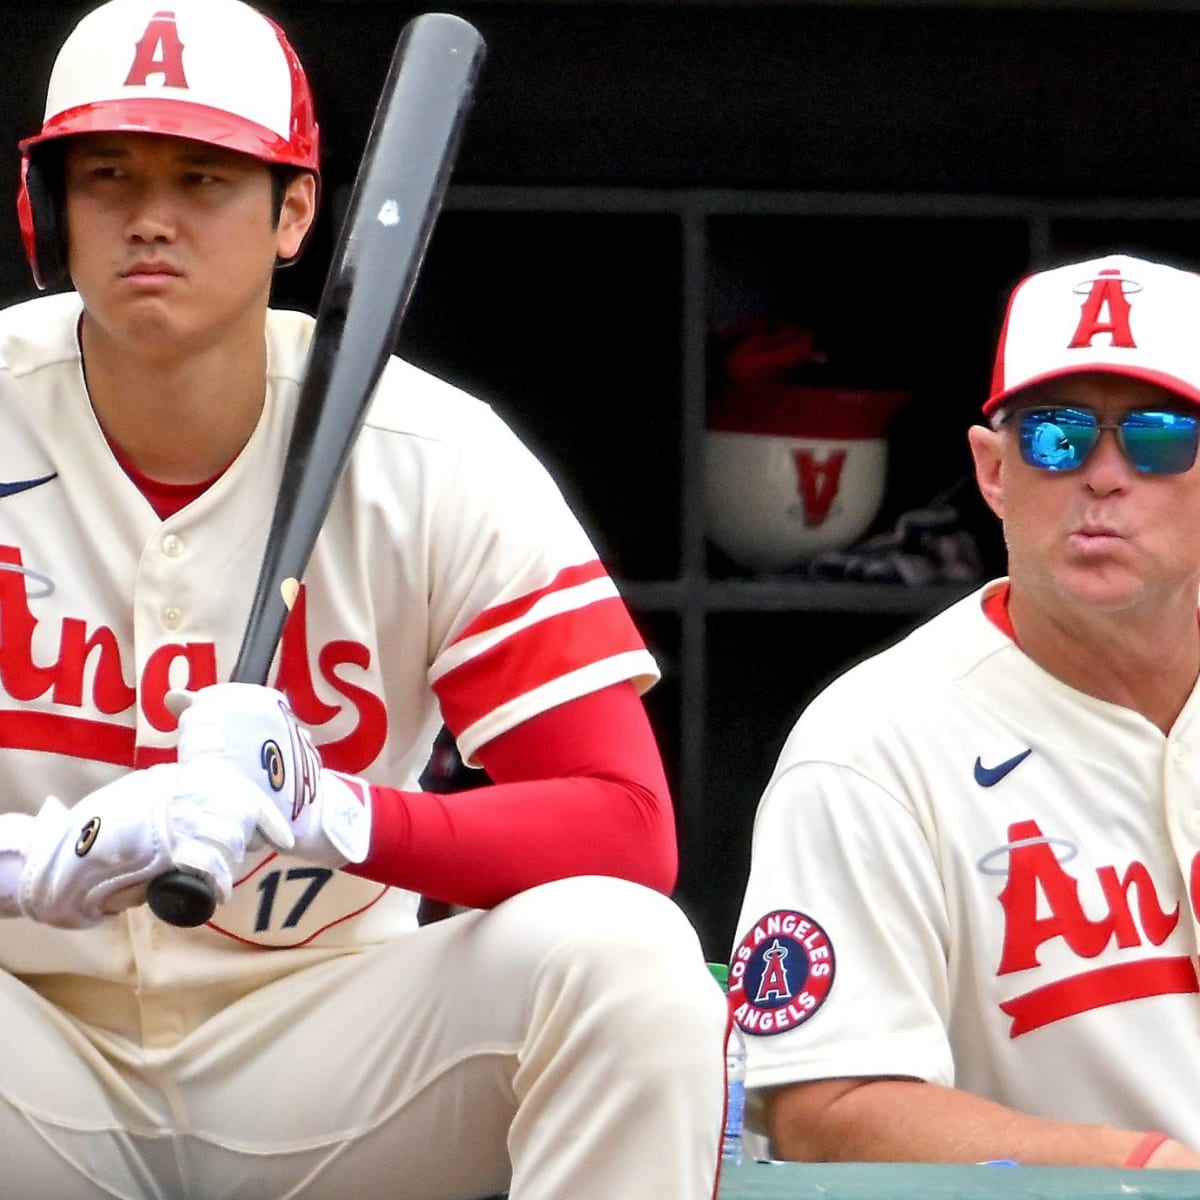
181, 898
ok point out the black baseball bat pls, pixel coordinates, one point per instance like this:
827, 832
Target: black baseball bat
397, 195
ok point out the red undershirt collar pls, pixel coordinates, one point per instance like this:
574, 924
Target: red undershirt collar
995, 608
165, 498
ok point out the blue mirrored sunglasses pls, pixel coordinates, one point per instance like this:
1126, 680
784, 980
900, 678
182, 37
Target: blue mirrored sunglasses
1155, 441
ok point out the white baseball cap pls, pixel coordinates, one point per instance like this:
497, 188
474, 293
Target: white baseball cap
1119, 315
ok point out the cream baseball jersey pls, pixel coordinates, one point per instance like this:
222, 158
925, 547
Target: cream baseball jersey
450, 580
967, 872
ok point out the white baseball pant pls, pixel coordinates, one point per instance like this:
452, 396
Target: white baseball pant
567, 1043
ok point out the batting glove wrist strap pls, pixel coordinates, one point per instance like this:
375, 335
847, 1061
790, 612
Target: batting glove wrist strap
346, 816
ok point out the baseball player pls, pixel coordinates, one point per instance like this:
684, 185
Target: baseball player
969, 930
558, 1036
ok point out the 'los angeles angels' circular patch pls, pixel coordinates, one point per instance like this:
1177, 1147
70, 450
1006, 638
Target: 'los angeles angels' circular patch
781, 973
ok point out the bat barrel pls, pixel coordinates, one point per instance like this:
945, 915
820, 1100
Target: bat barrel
396, 199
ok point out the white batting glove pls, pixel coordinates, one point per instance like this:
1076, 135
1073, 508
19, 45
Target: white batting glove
72, 867
254, 729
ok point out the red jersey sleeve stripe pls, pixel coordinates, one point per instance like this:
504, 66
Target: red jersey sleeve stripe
513, 610
534, 656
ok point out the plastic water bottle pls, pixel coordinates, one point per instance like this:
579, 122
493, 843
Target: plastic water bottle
735, 1080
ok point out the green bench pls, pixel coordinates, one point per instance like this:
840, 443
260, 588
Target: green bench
925, 1181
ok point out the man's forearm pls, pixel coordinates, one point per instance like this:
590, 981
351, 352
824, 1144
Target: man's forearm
905, 1120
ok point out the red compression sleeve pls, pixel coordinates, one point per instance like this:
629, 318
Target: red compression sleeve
578, 790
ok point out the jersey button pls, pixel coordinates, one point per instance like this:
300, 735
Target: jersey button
1179, 754
171, 616
172, 545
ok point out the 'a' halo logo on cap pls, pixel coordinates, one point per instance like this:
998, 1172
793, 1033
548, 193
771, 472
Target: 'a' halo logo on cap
1105, 310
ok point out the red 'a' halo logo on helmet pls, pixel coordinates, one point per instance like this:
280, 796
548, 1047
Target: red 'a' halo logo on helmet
781, 973
158, 52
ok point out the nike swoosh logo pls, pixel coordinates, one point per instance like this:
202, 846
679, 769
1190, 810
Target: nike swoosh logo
990, 776
23, 485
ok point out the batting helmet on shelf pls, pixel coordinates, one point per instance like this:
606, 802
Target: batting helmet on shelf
794, 464
213, 71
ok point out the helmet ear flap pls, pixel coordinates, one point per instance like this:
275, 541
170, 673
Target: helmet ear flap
39, 210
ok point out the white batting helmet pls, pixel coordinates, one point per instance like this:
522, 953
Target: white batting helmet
214, 71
